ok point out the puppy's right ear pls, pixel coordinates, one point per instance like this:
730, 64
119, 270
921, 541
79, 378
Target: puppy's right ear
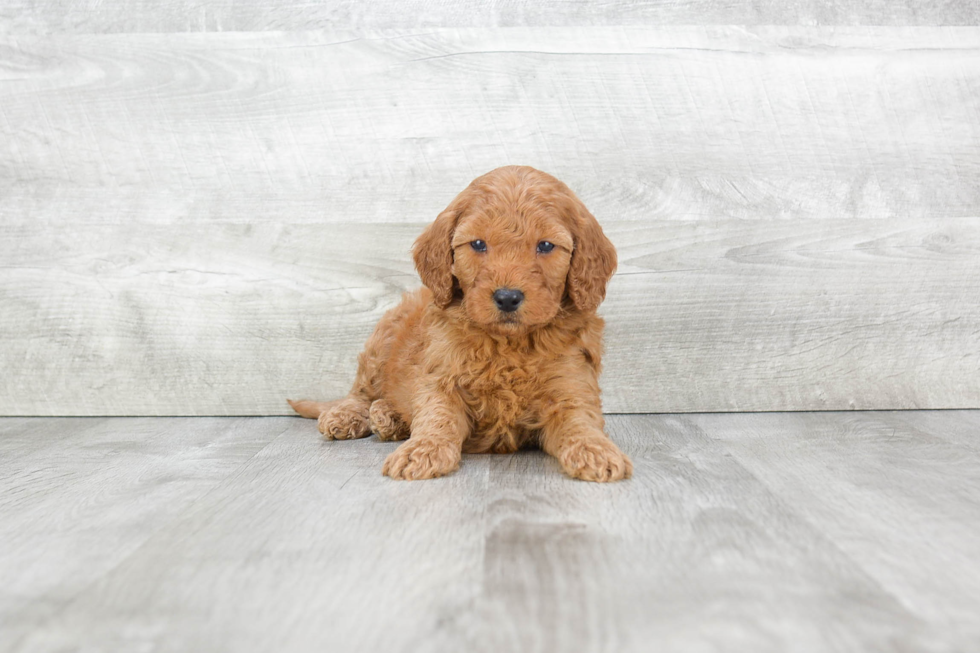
433, 253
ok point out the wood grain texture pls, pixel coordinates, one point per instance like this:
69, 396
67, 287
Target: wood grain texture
755, 533
748, 315
930, 494
256, 15
206, 223
957, 427
682, 123
692, 554
330, 541
78, 496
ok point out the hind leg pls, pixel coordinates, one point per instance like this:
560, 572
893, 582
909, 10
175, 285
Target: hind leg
345, 420
386, 423
351, 417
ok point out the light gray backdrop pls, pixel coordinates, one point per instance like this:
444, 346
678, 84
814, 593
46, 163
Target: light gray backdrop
205, 208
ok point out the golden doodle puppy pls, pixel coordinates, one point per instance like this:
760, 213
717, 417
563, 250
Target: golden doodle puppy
502, 348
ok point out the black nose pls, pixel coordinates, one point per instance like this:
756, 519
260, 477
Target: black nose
508, 299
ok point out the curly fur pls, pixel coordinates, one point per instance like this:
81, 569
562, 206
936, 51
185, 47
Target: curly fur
449, 369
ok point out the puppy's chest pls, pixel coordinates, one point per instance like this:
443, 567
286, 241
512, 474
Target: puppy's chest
501, 390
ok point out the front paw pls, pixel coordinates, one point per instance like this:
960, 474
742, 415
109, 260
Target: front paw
420, 459
595, 458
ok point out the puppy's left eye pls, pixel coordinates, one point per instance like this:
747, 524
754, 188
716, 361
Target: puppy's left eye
544, 247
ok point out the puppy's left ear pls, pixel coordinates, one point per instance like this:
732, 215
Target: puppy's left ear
433, 253
593, 259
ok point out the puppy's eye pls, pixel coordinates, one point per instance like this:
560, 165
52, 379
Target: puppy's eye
544, 247
478, 246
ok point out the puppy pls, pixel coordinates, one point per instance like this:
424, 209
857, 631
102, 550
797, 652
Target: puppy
502, 348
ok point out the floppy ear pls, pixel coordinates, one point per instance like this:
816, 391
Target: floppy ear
593, 259
433, 253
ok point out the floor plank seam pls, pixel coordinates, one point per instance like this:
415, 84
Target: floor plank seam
814, 528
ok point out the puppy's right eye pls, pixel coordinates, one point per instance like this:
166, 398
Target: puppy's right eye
478, 246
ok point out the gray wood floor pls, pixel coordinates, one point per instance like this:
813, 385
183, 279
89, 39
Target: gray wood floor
739, 532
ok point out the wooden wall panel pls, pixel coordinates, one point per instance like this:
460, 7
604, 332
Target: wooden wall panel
206, 223
744, 315
688, 123
262, 15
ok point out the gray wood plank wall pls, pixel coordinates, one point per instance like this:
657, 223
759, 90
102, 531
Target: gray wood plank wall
262, 15
207, 222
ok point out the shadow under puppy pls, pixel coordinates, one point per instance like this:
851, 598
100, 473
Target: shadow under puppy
502, 348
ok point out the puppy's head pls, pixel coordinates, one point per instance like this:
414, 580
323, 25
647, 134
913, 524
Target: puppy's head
513, 247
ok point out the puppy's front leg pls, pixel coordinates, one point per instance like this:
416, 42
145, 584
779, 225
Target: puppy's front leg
435, 446
575, 437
